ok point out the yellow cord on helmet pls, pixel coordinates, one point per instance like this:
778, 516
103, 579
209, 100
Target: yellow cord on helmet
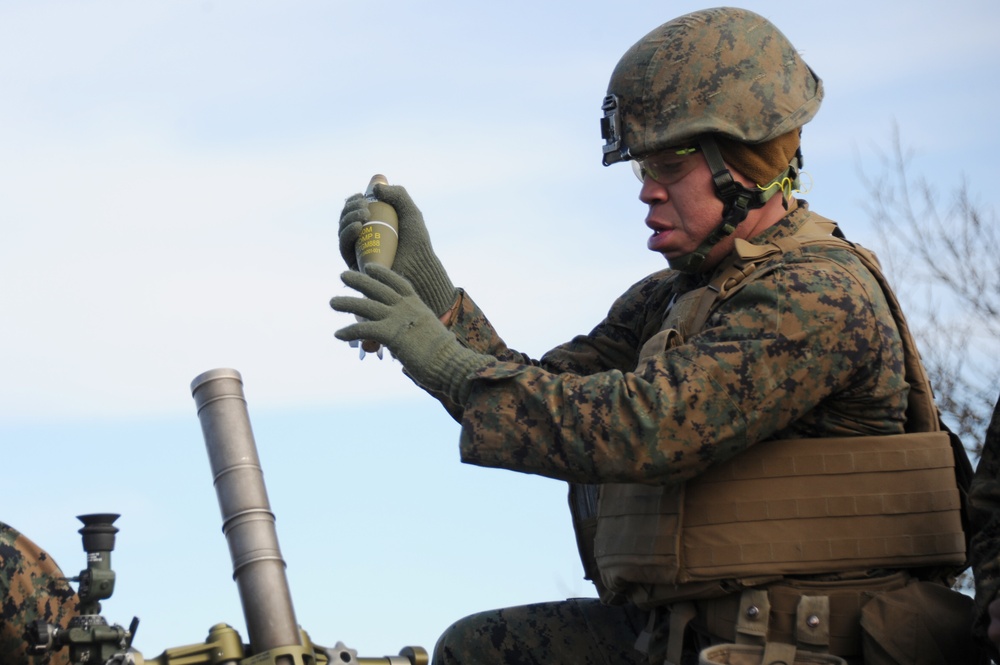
784, 184
788, 186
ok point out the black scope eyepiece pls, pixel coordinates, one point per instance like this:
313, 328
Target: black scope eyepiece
98, 532
97, 581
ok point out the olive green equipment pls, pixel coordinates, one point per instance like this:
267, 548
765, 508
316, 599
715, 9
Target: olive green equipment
274, 636
376, 244
88, 636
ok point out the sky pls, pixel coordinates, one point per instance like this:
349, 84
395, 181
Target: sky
171, 174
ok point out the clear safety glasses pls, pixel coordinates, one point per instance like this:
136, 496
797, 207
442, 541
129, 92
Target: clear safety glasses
666, 167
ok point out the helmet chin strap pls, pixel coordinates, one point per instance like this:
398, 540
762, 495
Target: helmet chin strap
737, 202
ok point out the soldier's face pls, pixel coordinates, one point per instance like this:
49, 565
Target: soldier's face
684, 210
683, 207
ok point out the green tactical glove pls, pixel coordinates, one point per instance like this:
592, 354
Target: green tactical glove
397, 317
415, 258
352, 218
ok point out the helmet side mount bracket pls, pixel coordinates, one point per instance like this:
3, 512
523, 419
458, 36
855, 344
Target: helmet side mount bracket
611, 132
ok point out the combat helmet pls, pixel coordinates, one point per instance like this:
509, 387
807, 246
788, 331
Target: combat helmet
723, 72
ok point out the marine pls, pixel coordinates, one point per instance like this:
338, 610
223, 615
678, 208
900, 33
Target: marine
757, 471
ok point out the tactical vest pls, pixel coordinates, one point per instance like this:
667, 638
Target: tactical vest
782, 507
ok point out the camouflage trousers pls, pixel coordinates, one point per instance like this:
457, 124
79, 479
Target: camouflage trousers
32, 588
921, 623
582, 631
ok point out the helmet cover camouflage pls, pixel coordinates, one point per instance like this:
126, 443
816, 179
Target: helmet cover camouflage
724, 71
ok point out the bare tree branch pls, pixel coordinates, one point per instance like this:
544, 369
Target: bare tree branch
943, 260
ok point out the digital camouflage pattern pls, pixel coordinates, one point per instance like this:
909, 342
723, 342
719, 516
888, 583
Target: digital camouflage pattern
984, 552
581, 631
33, 588
725, 70
806, 348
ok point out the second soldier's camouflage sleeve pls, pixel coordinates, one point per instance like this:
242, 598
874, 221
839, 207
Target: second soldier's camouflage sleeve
33, 589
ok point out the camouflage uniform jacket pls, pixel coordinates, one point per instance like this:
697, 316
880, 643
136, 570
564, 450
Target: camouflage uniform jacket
33, 589
984, 552
807, 347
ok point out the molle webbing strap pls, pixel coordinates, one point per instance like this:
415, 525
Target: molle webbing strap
811, 506
788, 507
721, 616
812, 623
753, 617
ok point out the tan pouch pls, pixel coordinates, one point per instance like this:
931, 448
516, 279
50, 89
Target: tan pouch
745, 654
921, 624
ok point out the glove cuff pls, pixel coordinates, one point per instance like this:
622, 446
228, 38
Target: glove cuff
453, 370
431, 281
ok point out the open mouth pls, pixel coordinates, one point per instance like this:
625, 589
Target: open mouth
659, 239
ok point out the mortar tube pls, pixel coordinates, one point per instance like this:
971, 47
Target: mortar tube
247, 520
